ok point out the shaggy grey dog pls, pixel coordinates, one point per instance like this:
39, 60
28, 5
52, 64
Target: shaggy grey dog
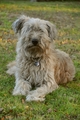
38, 64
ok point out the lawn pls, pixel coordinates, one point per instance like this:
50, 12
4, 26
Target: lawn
62, 104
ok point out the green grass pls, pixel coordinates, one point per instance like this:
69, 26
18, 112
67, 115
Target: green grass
62, 104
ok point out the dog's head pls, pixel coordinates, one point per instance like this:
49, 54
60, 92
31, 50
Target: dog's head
35, 35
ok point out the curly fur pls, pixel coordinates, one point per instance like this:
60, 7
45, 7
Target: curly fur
40, 66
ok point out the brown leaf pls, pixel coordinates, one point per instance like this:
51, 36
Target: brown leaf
1, 109
23, 101
49, 110
2, 118
55, 110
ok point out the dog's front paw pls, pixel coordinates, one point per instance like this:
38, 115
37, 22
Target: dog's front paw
34, 98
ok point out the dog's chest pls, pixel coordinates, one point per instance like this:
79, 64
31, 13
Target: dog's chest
34, 72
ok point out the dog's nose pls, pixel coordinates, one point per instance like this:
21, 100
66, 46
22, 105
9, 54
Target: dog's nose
34, 41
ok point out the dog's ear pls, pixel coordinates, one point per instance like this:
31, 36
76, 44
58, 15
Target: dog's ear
18, 24
51, 28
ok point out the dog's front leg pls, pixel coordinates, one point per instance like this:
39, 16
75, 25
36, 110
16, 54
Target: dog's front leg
40, 92
22, 87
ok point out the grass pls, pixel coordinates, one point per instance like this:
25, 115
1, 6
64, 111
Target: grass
62, 104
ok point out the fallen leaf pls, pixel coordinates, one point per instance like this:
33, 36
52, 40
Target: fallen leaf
23, 101
55, 110
27, 107
49, 110
2, 118
1, 109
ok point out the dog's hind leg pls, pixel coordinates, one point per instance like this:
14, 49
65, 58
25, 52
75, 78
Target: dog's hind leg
11, 68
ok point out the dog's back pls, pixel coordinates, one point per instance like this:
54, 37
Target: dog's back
64, 68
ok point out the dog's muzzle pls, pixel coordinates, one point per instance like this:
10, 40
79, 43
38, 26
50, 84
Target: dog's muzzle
34, 42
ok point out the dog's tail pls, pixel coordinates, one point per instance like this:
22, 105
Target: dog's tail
11, 68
